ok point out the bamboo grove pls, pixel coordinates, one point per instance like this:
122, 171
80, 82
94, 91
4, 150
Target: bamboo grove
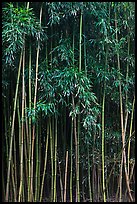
68, 100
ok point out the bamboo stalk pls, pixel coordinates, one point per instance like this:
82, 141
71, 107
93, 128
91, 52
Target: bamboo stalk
103, 129
12, 130
61, 185
22, 126
130, 132
35, 97
45, 163
65, 185
52, 169
37, 163
71, 161
15, 164
121, 113
54, 197
29, 157
89, 181
76, 146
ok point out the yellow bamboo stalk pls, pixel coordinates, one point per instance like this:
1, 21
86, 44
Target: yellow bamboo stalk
22, 128
12, 130
65, 186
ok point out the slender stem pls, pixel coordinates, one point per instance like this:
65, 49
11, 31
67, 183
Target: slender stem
54, 198
66, 176
130, 133
51, 153
45, 163
12, 130
22, 126
71, 161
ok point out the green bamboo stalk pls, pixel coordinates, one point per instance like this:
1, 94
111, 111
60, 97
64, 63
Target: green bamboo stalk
71, 161
54, 197
85, 53
45, 163
65, 185
103, 176
103, 127
78, 192
80, 39
22, 126
12, 130
73, 46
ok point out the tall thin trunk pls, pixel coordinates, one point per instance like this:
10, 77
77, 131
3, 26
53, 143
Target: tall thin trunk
122, 120
45, 163
35, 97
89, 179
29, 157
52, 166
76, 145
54, 198
65, 187
12, 129
61, 185
130, 133
103, 128
22, 126
71, 161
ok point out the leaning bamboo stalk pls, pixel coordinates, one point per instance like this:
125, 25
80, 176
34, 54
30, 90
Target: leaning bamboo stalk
45, 163
22, 126
131, 174
122, 123
65, 185
130, 134
13, 181
15, 163
12, 130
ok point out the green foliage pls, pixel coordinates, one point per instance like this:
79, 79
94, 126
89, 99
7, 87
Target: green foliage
17, 22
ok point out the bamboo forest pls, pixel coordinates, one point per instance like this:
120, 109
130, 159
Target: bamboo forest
68, 101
